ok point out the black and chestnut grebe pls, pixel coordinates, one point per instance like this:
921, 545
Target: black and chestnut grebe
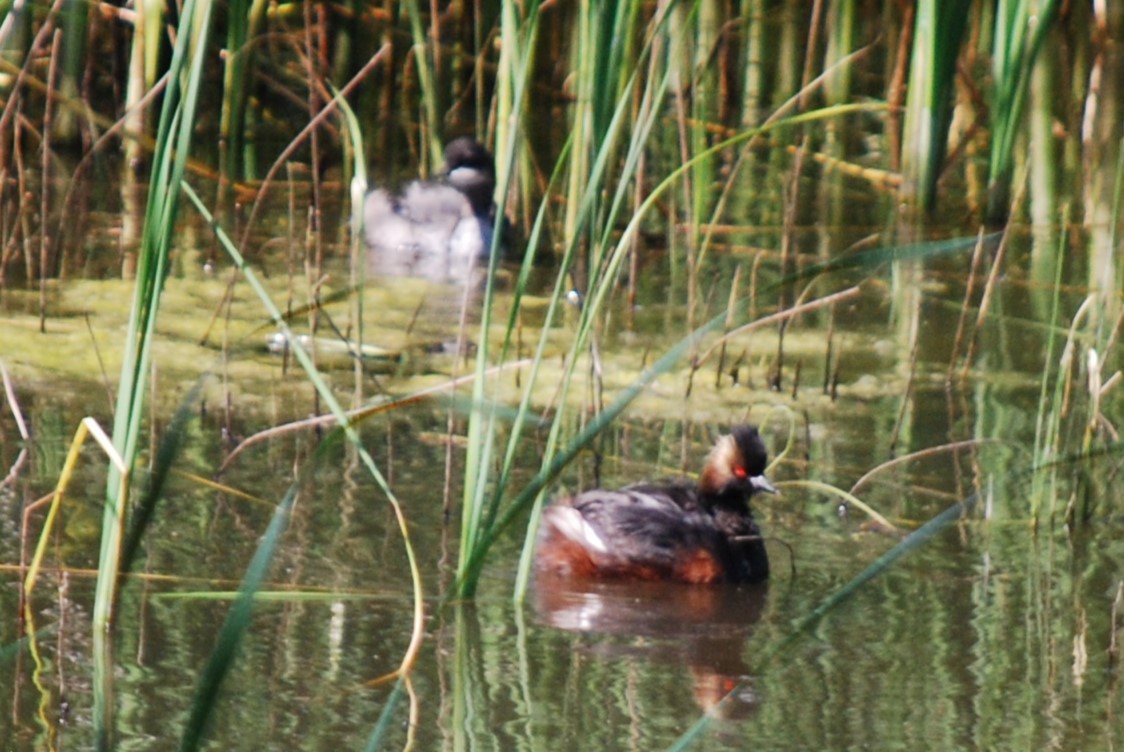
679, 531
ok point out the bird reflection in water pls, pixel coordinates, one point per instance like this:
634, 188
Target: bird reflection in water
703, 628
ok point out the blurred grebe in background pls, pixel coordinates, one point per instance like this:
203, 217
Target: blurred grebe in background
437, 230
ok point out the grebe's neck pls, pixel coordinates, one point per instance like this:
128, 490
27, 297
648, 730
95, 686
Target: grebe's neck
719, 471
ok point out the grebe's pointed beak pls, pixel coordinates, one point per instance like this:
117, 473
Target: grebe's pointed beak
760, 483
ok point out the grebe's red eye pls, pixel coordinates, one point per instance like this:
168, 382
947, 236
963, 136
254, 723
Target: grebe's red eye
740, 471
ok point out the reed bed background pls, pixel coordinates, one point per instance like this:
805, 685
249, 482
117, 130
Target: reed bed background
624, 134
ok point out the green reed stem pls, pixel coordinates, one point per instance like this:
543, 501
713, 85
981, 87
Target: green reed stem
244, 22
431, 120
480, 506
1048, 418
938, 30
1020, 31
173, 144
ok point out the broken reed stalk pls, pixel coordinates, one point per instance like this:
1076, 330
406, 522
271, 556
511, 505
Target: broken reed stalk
969, 288
989, 287
45, 182
731, 308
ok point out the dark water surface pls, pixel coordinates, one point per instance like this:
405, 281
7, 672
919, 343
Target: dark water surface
991, 635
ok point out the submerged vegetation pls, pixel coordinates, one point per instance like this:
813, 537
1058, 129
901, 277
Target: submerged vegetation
708, 195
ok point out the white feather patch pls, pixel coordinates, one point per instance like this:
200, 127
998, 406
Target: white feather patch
571, 524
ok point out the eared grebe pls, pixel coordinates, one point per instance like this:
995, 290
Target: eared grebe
679, 531
435, 230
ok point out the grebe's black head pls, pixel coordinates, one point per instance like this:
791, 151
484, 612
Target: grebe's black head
736, 464
470, 169
466, 151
